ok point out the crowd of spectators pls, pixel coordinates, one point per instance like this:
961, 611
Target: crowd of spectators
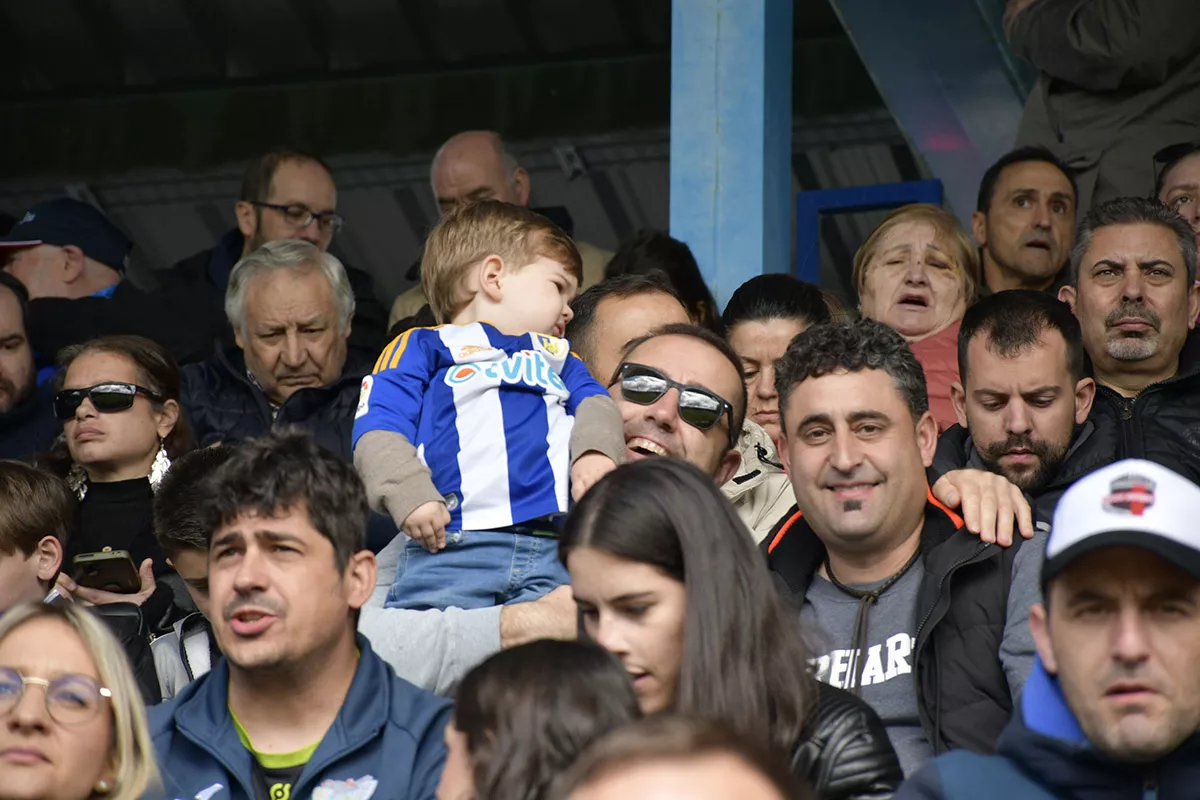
561, 527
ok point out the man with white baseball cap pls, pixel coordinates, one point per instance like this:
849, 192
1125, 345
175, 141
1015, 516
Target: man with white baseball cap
1113, 705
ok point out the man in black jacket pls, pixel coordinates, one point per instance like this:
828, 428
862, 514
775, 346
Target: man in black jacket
1112, 708
71, 260
291, 309
27, 422
286, 194
1132, 287
1024, 399
874, 561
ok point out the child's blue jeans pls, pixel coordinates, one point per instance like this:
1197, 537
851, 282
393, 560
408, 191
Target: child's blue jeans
477, 569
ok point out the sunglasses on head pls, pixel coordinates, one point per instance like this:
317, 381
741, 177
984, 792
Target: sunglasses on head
106, 398
698, 407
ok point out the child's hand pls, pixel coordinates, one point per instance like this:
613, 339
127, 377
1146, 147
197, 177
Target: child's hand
427, 525
587, 469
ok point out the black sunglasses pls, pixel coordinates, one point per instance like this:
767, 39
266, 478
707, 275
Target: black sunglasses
106, 398
698, 407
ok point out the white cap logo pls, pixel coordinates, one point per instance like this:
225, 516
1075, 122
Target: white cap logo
1130, 494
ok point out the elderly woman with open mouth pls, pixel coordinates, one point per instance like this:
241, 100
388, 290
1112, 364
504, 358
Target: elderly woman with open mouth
917, 272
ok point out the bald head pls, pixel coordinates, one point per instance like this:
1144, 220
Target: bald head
474, 165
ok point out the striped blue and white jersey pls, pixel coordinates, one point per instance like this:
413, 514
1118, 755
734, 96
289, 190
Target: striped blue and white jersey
490, 415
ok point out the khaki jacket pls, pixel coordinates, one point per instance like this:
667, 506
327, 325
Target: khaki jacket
760, 491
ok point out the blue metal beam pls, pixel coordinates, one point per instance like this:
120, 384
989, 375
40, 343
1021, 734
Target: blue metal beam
811, 205
731, 131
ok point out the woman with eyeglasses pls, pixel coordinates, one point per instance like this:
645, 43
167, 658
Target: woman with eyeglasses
667, 580
118, 399
761, 319
72, 724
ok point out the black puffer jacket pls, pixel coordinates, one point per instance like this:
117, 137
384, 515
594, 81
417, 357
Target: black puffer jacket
223, 405
847, 754
1161, 424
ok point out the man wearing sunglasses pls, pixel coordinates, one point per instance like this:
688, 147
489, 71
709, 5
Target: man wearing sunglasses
681, 395
286, 194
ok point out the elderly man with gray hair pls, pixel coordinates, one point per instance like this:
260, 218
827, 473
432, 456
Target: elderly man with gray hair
291, 308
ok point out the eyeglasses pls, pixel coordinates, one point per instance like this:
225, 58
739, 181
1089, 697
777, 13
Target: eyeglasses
698, 407
70, 699
299, 216
106, 398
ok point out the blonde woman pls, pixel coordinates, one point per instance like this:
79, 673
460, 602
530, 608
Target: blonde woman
72, 724
917, 273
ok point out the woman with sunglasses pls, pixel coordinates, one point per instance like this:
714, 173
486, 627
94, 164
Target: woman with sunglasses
667, 580
72, 724
118, 400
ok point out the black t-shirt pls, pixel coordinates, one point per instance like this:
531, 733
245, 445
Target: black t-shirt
275, 783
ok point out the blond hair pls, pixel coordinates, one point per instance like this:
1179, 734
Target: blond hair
470, 233
962, 250
133, 750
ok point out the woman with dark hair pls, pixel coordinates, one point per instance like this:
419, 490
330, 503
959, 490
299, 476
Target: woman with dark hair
654, 252
667, 580
118, 399
761, 319
524, 715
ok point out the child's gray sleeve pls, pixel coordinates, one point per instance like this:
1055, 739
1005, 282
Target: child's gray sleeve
396, 479
598, 427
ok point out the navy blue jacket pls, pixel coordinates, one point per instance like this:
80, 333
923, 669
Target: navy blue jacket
1043, 754
387, 731
30, 427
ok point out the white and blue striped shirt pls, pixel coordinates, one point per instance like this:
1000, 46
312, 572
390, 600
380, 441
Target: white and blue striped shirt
490, 415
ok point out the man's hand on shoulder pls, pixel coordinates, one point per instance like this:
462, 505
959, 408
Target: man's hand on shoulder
988, 503
550, 617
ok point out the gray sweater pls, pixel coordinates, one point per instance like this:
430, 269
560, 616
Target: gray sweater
432, 649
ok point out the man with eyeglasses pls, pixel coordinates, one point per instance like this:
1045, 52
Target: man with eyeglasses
71, 259
1177, 185
286, 194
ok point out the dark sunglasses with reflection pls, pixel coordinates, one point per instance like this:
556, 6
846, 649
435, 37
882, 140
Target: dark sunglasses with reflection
699, 407
106, 398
